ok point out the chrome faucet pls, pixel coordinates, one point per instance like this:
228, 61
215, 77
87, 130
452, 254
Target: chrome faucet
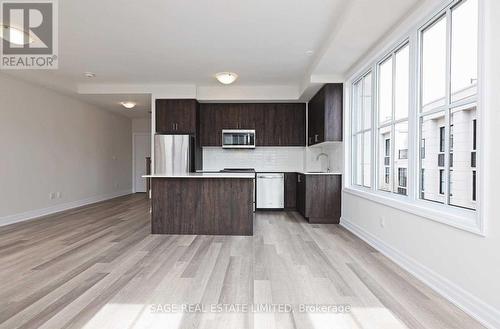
327, 160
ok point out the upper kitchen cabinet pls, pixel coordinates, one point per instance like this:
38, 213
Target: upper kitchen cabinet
275, 124
176, 116
284, 124
211, 117
325, 115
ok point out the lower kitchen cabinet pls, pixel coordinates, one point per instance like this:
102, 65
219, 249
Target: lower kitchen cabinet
290, 190
319, 198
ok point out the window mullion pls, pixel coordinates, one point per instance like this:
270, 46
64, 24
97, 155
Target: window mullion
362, 125
448, 108
393, 127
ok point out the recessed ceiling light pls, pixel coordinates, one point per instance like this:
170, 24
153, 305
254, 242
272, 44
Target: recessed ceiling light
89, 74
15, 35
309, 52
226, 78
128, 105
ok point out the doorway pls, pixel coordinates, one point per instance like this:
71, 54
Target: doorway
141, 148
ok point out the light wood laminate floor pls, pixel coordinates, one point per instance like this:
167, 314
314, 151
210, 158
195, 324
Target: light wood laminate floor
99, 267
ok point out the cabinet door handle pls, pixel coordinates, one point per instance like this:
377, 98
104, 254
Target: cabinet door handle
298, 178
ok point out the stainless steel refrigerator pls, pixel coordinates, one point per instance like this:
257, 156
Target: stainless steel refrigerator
173, 154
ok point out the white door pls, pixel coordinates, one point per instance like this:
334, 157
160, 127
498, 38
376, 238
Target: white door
142, 149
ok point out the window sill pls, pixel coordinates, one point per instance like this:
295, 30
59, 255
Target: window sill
461, 219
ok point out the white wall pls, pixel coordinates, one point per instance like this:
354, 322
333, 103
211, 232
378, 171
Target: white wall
463, 266
53, 143
141, 125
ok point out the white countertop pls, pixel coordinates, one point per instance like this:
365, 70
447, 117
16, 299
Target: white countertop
204, 175
320, 173
233, 175
300, 172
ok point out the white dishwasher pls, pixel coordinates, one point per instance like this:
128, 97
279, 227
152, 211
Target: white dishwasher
270, 191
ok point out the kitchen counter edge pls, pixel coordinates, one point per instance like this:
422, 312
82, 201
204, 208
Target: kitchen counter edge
205, 175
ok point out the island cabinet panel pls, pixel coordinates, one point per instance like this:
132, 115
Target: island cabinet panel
325, 115
176, 116
319, 198
275, 124
209, 206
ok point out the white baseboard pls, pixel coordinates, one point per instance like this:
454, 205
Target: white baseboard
470, 304
21, 217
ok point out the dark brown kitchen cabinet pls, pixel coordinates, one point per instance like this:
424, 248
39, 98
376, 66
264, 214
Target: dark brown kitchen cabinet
284, 125
319, 198
325, 115
301, 194
176, 116
275, 124
210, 125
290, 190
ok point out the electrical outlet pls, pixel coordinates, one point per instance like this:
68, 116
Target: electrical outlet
382, 221
58, 195
52, 195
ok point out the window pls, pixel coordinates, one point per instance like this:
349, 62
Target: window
387, 160
461, 168
441, 139
422, 183
422, 149
473, 158
441, 146
387, 164
441, 181
423, 132
474, 137
402, 180
393, 107
451, 144
362, 121
434, 63
449, 110
474, 186
464, 40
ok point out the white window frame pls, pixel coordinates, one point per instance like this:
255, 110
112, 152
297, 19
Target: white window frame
362, 131
393, 122
467, 220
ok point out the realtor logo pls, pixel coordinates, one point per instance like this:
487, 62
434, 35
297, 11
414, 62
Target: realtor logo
29, 34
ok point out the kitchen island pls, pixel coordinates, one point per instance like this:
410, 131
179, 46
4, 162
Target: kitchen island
202, 203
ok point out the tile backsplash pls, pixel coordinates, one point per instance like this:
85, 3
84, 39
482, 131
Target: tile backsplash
335, 161
276, 158
260, 158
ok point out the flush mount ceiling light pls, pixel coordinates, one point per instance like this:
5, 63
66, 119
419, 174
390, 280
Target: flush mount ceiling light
89, 75
226, 78
128, 105
14, 35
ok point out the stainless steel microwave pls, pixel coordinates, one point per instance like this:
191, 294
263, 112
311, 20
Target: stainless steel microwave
238, 138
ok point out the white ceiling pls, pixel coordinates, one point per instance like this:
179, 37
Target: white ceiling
112, 103
160, 42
